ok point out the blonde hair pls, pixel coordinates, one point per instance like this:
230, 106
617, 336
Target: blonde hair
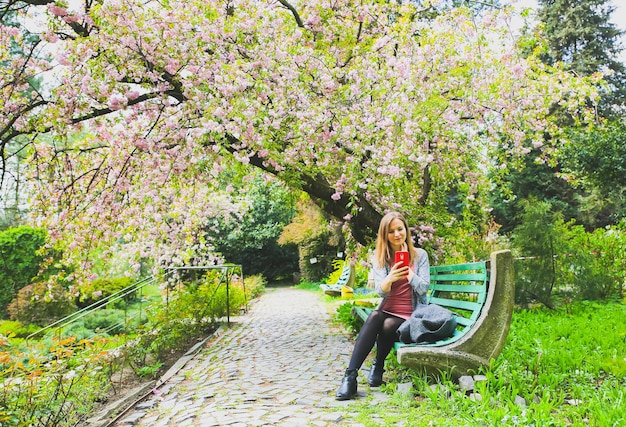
383, 247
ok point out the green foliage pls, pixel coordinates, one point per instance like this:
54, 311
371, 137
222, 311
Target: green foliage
56, 382
107, 321
566, 258
308, 286
17, 329
102, 288
191, 310
56, 388
361, 275
251, 238
20, 260
317, 255
533, 181
597, 156
254, 286
595, 264
345, 317
545, 361
317, 245
583, 35
538, 239
149, 371
41, 303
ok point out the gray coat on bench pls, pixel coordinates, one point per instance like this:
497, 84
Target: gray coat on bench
428, 323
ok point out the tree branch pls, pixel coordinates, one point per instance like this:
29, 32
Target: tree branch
294, 12
363, 225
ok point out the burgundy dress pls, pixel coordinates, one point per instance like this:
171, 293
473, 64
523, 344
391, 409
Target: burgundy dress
398, 302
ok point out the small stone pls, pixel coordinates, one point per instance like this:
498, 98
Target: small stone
133, 418
333, 417
475, 397
404, 388
479, 378
466, 384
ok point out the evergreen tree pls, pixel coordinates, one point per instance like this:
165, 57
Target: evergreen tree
581, 34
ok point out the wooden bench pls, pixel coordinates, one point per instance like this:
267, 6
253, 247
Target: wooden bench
345, 280
481, 294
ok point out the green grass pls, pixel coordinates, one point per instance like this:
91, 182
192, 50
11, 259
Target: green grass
569, 366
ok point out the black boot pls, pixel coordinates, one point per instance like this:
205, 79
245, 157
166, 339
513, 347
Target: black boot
375, 377
347, 389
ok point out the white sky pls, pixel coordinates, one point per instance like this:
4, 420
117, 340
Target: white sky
618, 18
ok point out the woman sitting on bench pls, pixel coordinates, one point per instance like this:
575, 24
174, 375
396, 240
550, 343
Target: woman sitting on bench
401, 287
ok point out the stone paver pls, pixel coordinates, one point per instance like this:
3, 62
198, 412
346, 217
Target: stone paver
278, 365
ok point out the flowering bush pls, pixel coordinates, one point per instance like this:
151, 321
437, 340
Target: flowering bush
102, 288
55, 388
41, 303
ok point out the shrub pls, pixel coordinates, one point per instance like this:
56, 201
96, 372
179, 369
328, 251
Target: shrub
53, 389
107, 321
101, 288
192, 310
564, 257
17, 329
539, 240
345, 317
595, 262
20, 260
317, 245
41, 303
254, 285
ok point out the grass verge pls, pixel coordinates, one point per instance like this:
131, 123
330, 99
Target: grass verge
558, 368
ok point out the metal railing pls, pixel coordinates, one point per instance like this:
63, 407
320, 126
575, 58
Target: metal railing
228, 271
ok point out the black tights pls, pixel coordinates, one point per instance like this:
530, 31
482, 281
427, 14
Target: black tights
380, 329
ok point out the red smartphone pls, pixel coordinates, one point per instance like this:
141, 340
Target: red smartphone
402, 256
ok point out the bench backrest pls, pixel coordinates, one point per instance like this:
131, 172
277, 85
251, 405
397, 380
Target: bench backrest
345, 275
461, 288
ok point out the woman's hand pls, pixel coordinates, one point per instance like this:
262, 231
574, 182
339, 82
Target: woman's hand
396, 273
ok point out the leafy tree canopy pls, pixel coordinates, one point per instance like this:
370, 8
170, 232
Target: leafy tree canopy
366, 107
250, 237
581, 35
20, 260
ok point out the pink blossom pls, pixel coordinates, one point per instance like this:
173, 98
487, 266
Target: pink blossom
313, 21
70, 18
56, 10
63, 59
116, 103
132, 94
336, 196
427, 229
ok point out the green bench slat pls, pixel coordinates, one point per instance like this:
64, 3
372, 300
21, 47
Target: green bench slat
448, 303
479, 265
467, 281
473, 289
362, 312
459, 277
464, 321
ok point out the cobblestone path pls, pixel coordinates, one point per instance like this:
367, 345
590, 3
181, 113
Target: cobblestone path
277, 365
